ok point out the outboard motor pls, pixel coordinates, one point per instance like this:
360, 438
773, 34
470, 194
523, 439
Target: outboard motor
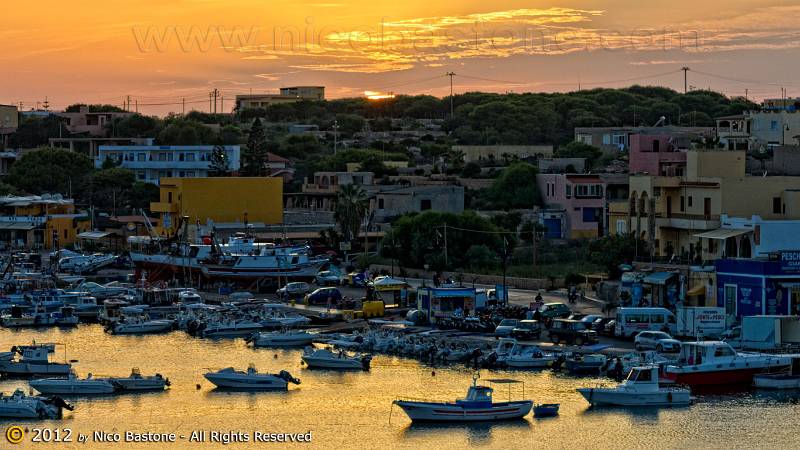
559, 362
365, 360
59, 402
285, 375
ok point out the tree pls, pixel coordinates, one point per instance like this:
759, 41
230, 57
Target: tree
181, 131
50, 170
471, 170
109, 188
7, 189
35, 132
351, 208
93, 108
230, 135
255, 154
142, 194
611, 251
580, 150
136, 125
218, 166
480, 257
514, 188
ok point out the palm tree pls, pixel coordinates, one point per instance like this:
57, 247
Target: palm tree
351, 207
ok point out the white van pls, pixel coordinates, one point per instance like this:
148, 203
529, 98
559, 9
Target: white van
633, 320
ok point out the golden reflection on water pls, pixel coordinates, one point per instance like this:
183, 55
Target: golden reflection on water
352, 409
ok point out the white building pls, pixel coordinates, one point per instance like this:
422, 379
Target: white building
152, 162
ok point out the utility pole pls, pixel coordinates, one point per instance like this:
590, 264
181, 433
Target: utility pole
746, 91
535, 250
335, 135
685, 84
216, 94
183, 107
451, 75
445, 246
209, 101
222, 104
136, 103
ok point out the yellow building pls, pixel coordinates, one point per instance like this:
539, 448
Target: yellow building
34, 222
669, 212
219, 202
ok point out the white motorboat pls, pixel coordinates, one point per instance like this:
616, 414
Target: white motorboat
287, 338
512, 354
478, 406
586, 364
138, 325
251, 379
716, 363
639, 389
33, 360
325, 359
189, 296
231, 328
137, 382
21, 406
73, 385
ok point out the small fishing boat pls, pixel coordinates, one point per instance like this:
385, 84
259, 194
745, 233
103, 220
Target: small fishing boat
546, 410
510, 353
137, 382
586, 364
781, 380
33, 360
639, 389
73, 385
135, 320
230, 328
21, 406
477, 406
251, 379
325, 359
286, 338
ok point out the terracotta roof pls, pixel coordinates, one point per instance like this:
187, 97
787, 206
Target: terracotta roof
272, 157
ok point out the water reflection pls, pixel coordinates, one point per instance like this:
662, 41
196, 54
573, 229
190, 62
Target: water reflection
476, 434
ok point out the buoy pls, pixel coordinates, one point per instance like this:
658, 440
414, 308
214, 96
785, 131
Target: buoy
197, 386
433, 373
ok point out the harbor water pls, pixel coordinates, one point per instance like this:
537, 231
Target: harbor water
353, 410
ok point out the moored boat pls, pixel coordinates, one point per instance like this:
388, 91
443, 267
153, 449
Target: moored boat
323, 358
287, 338
73, 385
789, 379
21, 406
716, 363
138, 382
251, 379
641, 388
477, 406
33, 360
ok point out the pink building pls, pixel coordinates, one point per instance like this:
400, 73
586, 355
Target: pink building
580, 198
658, 154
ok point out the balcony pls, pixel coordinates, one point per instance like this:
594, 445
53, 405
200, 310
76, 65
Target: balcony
163, 207
689, 221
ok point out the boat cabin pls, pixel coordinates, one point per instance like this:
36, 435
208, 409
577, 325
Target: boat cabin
646, 375
696, 353
477, 396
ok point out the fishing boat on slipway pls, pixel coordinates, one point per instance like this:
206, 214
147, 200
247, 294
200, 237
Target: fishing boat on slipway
239, 258
477, 406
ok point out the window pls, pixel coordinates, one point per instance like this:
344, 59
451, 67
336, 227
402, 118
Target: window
65, 234
690, 201
569, 191
622, 226
190, 157
776, 205
637, 318
425, 205
588, 190
141, 156
590, 214
606, 139
189, 173
169, 197
380, 203
773, 125
683, 206
656, 318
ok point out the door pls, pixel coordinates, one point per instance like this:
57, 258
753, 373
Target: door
669, 206
707, 207
730, 303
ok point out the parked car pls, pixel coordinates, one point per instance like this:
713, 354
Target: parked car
599, 324
328, 278
555, 311
589, 319
505, 327
321, 296
294, 289
656, 340
527, 329
571, 332
609, 327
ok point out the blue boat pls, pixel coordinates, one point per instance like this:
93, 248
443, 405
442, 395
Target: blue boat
546, 410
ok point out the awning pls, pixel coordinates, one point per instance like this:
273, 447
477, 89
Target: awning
697, 290
17, 226
451, 292
659, 277
722, 233
95, 235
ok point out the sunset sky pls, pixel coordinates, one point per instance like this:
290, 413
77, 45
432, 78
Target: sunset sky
161, 52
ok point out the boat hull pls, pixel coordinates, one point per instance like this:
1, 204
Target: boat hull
259, 384
613, 397
333, 363
140, 384
738, 376
67, 387
449, 412
21, 368
143, 328
776, 381
529, 363
292, 341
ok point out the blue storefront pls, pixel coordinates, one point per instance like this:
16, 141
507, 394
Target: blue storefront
747, 287
443, 302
